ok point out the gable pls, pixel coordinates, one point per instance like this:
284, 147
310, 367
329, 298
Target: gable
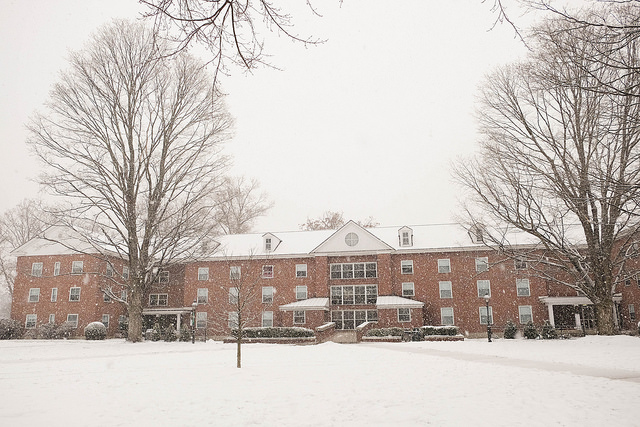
351, 237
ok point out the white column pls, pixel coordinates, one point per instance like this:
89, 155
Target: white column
551, 320
578, 323
178, 323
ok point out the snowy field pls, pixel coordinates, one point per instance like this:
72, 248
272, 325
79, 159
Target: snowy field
593, 381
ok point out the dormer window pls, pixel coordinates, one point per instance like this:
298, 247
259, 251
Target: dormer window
476, 232
267, 244
270, 242
405, 237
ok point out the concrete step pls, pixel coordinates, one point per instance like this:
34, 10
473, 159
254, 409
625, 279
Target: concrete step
344, 337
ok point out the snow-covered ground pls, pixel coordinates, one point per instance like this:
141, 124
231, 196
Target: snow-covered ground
592, 381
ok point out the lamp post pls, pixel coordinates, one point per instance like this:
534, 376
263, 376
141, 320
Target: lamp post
486, 300
193, 321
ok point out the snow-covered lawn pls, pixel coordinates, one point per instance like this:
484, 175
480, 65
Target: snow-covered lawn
592, 381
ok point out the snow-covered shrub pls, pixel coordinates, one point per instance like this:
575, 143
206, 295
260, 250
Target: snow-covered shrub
67, 329
185, 333
510, 330
530, 331
548, 331
385, 332
95, 331
50, 331
275, 332
170, 334
156, 334
123, 326
439, 330
10, 329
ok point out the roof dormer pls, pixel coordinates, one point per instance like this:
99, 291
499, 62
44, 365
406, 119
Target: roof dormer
476, 232
270, 242
405, 237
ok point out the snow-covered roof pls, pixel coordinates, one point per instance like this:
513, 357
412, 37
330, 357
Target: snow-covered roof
55, 240
307, 304
397, 302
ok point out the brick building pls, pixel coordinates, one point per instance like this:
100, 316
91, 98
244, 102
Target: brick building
395, 276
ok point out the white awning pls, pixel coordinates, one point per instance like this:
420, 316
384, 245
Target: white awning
307, 304
577, 300
386, 302
166, 311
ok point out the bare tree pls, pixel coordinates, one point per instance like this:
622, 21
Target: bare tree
132, 141
332, 220
239, 204
560, 162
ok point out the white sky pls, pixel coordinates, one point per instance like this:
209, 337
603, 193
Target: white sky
366, 123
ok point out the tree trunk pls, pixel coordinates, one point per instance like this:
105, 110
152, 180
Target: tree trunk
239, 351
135, 317
604, 317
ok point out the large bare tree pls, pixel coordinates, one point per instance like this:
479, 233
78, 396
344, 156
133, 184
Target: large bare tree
239, 204
560, 161
131, 139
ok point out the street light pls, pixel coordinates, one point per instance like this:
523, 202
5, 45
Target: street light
486, 300
193, 321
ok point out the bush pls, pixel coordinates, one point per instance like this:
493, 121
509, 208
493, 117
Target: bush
67, 329
170, 334
510, 330
530, 331
123, 326
548, 331
10, 329
95, 331
439, 330
274, 332
156, 333
185, 333
50, 331
385, 332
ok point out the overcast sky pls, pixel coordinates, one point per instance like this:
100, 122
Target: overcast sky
366, 123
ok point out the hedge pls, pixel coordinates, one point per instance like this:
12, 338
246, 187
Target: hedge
274, 332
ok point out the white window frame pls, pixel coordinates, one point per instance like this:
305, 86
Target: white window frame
36, 269
110, 271
54, 294
482, 310
31, 321
203, 274
56, 268
445, 286
163, 277
233, 321
267, 319
72, 294
125, 272
267, 271
445, 314
202, 296
353, 270
525, 314
406, 266
105, 320
444, 265
520, 264
123, 295
234, 294
235, 272
301, 292
406, 239
404, 315
521, 290
52, 318
34, 295
268, 244
201, 320
408, 289
160, 298
73, 322
484, 288
632, 312
77, 267
299, 317
346, 294
268, 293
301, 270
482, 264
105, 297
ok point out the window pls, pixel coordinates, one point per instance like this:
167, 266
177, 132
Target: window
163, 276
77, 267
203, 296
406, 266
123, 295
484, 288
444, 266
267, 244
405, 236
158, 299
267, 271
267, 294
109, 270
105, 297
354, 270
404, 315
446, 316
267, 319
34, 294
632, 312
123, 321
482, 264
233, 295
203, 273
74, 294
299, 317
351, 239
301, 292
408, 289
201, 319
31, 321
520, 263
522, 286
54, 294
52, 318
72, 319
125, 273
234, 272
233, 319
483, 315
105, 320
349, 319
36, 269
525, 314
349, 295
56, 269
301, 270
446, 290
